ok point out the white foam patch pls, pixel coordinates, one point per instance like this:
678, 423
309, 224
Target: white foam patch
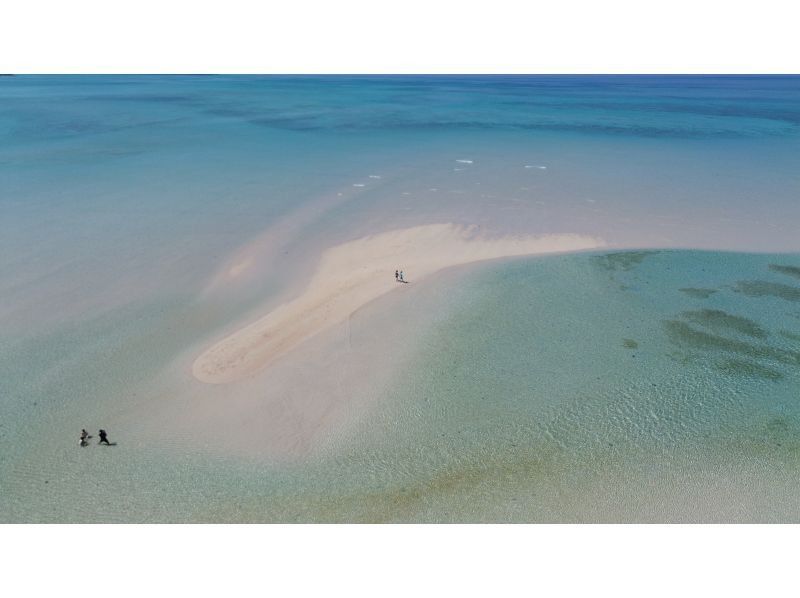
464, 161
536, 166
374, 176
359, 185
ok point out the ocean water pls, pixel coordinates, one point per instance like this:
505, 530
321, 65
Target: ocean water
655, 381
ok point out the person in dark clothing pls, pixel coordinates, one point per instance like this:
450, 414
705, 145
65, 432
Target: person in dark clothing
397, 275
84, 437
103, 437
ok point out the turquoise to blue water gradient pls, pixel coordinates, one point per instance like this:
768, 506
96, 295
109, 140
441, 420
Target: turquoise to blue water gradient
622, 385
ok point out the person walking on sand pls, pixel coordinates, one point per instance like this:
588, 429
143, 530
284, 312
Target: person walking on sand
103, 437
397, 276
402, 279
84, 437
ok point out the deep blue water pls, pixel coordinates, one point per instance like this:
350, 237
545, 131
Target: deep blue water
46, 108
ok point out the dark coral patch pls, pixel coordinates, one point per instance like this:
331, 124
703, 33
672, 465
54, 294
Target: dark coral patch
682, 334
788, 270
762, 288
720, 321
698, 293
623, 260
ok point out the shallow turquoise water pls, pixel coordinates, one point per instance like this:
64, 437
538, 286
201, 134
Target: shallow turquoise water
638, 387
550, 389
557, 391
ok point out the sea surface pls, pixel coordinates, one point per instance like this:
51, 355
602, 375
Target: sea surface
656, 380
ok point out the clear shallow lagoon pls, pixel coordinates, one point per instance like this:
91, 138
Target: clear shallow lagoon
637, 387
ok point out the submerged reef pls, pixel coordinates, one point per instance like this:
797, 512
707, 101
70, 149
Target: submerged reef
788, 270
623, 260
720, 321
712, 333
698, 293
681, 333
762, 288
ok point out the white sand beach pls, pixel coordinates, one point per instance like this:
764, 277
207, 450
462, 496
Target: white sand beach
351, 275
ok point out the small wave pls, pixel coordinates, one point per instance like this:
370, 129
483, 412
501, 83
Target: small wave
359, 185
464, 161
374, 176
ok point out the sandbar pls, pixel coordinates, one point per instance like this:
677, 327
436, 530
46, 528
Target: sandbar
351, 275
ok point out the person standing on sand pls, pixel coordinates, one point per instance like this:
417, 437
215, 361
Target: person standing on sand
103, 437
401, 276
84, 437
396, 276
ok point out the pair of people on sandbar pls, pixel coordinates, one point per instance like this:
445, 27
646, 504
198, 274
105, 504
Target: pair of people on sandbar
102, 434
399, 276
